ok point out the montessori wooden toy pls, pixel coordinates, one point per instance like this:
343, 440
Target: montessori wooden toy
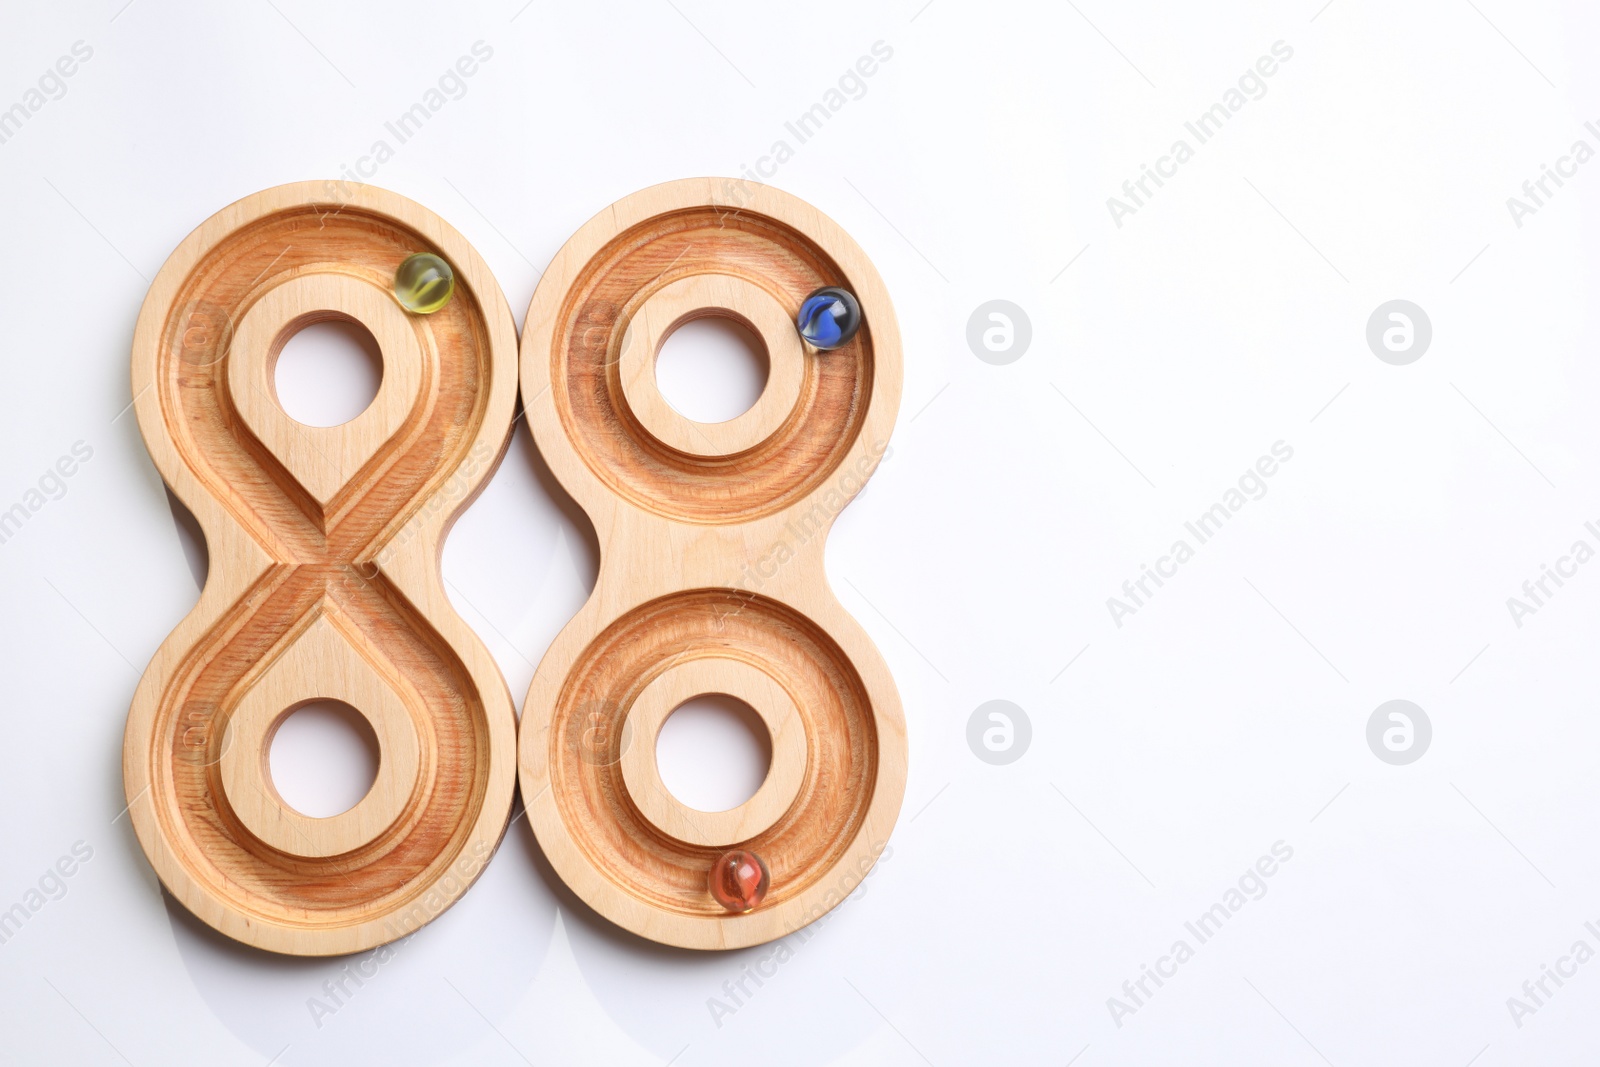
324, 581
711, 576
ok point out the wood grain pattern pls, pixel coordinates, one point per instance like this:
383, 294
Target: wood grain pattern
712, 563
324, 581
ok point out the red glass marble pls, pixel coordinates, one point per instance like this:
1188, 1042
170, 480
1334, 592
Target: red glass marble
739, 880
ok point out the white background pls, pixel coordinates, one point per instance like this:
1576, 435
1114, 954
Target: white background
1228, 714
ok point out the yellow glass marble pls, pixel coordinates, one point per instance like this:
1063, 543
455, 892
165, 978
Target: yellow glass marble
424, 283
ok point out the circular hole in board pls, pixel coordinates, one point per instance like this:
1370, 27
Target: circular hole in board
713, 752
324, 758
328, 372
711, 369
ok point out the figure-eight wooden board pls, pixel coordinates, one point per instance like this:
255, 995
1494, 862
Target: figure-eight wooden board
711, 576
324, 580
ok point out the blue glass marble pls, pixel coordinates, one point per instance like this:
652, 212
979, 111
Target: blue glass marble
829, 318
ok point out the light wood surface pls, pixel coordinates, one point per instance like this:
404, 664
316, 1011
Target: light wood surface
699, 296
324, 579
711, 576
769, 700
